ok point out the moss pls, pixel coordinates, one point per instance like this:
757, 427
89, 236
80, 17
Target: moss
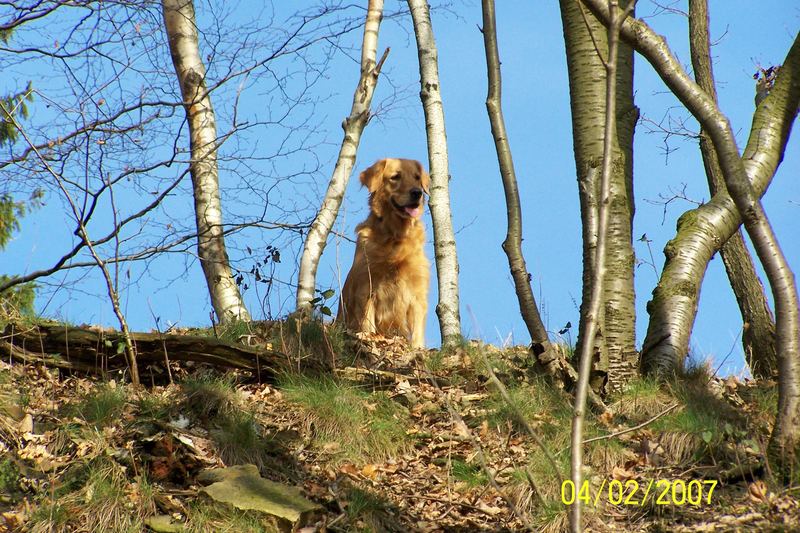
687, 221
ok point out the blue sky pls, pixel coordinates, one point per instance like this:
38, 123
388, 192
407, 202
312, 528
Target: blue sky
536, 106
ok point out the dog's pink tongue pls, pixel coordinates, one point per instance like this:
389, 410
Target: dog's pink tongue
414, 211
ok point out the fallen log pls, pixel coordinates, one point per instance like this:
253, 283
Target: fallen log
95, 350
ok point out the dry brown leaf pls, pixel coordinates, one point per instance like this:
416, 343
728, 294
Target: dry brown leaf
621, 474
26, 424
758, 491
370, 471
484, 431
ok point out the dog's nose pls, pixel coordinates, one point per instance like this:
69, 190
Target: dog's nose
415, 193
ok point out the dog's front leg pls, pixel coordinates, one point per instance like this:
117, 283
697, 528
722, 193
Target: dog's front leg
368, 324
418, 327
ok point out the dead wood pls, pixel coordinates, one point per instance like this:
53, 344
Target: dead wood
94, 350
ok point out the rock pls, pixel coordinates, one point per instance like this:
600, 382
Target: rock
163, 524
244, 488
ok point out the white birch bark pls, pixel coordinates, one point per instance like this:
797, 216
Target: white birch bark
353, 127
181, 28
741, 174
444, 241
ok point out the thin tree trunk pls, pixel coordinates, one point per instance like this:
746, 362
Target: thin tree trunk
444, 241
590, 326
181, 28
615, 355
513, 242
741, 178
758, 332
353, 127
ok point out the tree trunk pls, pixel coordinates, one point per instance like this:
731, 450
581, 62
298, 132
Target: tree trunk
615, 354
592, 308
444, 241
746, 177
181, 27
758, 332
353, 127
513, 243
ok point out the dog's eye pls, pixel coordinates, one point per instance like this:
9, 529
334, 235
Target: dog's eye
394, 177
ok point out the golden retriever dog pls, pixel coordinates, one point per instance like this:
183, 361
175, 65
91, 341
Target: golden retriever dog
386, 291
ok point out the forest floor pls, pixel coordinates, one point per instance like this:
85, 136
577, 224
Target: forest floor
393, 440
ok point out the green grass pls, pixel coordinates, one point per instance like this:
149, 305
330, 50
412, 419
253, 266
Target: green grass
470, 474
204, 516
209, 395
368, 513
154, 406
642, 399
240, 440
101, 406
9, 477
99, 498
543, 406
231, 332
363, 425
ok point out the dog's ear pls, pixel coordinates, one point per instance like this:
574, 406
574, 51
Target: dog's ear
424, 178
372, 177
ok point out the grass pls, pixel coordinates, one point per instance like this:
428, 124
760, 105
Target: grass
238, 436
101, 499
470, 474
543, 406
231, 332
9, 477
312, 342
549, 412
643, 398
100, 407
154, 406
364, 426
240, 440
209, 395
367, 512
204, 516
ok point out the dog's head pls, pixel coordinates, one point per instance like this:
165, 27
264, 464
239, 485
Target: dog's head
396, 187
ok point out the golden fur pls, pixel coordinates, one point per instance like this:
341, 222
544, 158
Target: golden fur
386, 291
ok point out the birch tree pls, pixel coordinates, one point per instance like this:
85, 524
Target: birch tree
746, 177
758, 331
615, 355
702, 231
593, 308
181, 28
444, 241
353, 126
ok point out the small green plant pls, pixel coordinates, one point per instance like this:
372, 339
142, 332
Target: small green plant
320, 303
312, 339
537, 402
363, 425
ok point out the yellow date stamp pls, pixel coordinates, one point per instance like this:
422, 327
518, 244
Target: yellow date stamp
630, 492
